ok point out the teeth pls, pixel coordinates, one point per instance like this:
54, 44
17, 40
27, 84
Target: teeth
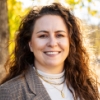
52, 52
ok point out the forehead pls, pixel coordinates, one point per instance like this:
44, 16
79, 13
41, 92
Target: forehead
50, 21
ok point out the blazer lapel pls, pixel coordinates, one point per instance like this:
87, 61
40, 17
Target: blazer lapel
36, 85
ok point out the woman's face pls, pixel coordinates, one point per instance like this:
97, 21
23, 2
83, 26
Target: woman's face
50, 43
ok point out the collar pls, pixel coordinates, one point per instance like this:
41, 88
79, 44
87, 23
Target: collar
35, 85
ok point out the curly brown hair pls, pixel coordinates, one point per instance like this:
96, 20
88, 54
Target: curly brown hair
79, 80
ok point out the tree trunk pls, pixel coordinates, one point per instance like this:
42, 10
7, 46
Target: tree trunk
4, 36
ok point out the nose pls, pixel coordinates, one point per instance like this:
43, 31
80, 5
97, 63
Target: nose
52, 41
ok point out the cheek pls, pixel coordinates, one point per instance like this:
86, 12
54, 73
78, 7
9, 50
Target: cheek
64, 43
38, 44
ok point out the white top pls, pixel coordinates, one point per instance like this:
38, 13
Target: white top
55, 94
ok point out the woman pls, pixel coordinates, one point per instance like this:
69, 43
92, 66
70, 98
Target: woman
50, 61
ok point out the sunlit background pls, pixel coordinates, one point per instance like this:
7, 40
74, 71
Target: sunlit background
81, 8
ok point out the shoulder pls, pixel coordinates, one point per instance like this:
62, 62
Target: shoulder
13, 82
11, 87
22, 87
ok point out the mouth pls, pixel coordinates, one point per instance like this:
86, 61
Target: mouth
52, 52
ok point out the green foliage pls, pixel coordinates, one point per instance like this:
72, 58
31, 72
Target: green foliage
89, 0
73, 2
81, 4
92, 12
15, 12
14, 9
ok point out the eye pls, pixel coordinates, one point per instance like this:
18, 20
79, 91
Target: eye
60, 35
43, 36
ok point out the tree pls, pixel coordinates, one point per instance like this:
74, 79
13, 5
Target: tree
4, 35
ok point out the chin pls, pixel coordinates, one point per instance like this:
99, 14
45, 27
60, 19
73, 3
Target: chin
54, 64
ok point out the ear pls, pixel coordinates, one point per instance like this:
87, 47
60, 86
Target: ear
30, 46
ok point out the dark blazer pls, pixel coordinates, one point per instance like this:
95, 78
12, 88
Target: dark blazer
24, 87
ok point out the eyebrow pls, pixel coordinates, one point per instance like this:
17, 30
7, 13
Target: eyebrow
43, 31
48, 31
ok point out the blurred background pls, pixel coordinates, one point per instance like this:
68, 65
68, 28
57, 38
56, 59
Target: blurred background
12, 11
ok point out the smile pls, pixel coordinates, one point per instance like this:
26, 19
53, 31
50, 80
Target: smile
52, 53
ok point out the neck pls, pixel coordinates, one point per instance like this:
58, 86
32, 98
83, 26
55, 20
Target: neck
50, 70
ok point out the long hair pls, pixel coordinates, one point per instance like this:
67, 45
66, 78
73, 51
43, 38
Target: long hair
77, 74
